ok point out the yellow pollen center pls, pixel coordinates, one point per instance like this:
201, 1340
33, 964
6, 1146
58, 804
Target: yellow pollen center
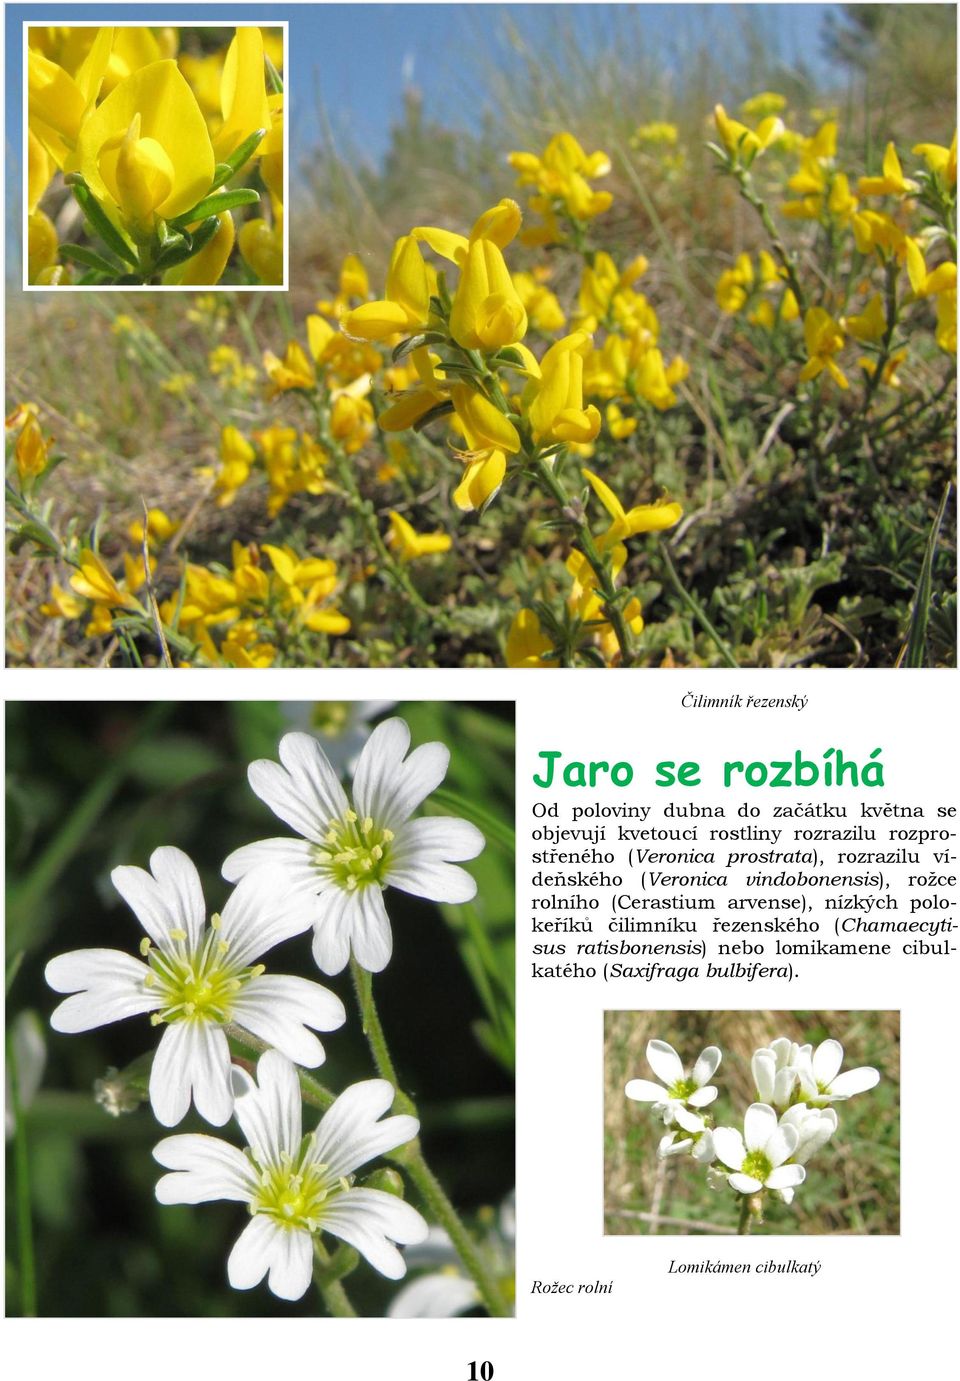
355, 852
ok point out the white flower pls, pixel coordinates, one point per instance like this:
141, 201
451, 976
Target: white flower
757, 1157
814, 1127
821, 1081
342, 726
776, 1070
295, 1186
699, 1144
348, 854
196, 979
446, 1291
679, 1091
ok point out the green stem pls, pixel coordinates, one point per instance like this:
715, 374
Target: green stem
372, 1029
612, 607
411, 1157
779, 248
334, 1295
28, 1274
743, 1227
696, 608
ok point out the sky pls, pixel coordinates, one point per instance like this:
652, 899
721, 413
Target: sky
348, 65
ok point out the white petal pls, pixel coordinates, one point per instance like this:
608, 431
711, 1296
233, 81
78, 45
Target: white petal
305, 792
703, 1152
278, 1009
386, 787
706, 1066
644, 1091
339, 911
269, 1111
372, 1221
729, 1147
744, 1184
703, 1097
171, 901
664, 1061
764, 1068
786, 1177
441, 838
170, 1076
252, 1253
209, 1056
783, 1086
290, 856
782, 1144
349, 1134
207, 1168
689, 1121
759, 1124
108, 986
291, 1268
435, 1296
371, 936
435, 881
855, 1081
257, 917
827, 1059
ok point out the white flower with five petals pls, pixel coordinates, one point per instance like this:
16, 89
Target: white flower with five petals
822, 1083
348, 853
756, 1159
815, 1127
296, 1187
196, 979
679, 1092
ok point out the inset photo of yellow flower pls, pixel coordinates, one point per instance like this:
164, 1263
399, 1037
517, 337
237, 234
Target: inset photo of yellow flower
154, 156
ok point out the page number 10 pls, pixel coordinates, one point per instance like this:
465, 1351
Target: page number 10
480, 1371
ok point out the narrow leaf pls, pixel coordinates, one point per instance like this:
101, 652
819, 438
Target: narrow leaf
102, 225
216, 203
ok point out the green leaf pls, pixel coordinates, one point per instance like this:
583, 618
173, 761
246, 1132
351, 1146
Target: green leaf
244, 151
274, 79
917, 643
222, 173
183, 247
101, 224
79, 254
216, 203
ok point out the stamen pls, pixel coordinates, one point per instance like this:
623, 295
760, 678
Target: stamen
178, 935
145, 946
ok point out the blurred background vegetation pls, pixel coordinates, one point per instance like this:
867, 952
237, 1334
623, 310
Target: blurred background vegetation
90, 786
788, 581
852, 1184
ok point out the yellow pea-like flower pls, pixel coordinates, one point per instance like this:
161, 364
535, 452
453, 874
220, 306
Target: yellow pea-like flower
824, 338
410, 544
261, 245
556, 412
527, 644
145, 151
487, 311
406, 305
30, 452
649, 517
244, 102
95, 583
892, 183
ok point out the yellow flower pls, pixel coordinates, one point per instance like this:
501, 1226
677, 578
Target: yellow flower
236, 458
145, 151
823, 337
261, 245
555, 408
42, 247
405, 307
734, 285
481, 481
178, 384
871, 324
653, 380
293, 371
409, 544
543, 307
242, 646
946, 335
940, 160
618, 426
243, 93
487, 312
30, 452
742, 142
62, 605
763, 104
650, 517
527, 644
892, 183
655, 132
160, 528
351, 419
890, 377
562, 173
95, 583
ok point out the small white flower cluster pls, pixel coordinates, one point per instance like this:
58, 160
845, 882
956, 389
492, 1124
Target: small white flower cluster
791, 1120
199, 978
